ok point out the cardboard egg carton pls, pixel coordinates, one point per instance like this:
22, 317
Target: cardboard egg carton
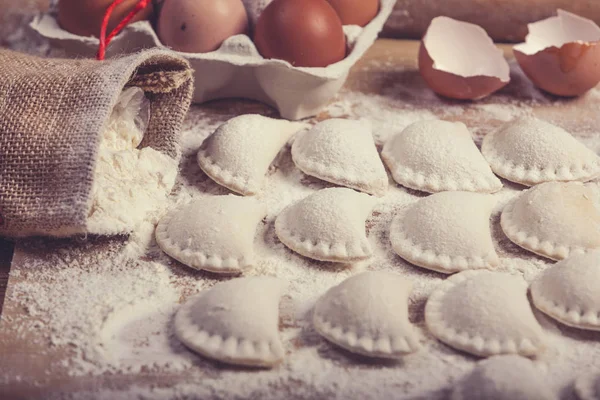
237, 69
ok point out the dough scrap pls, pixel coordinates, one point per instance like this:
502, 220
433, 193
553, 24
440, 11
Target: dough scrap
484, 313
446, 232
368, 314
568, 291
529, 151
236, 322
554, 220
212, 233
328, 225
587, 386
341, 151
506, 377
436, 156
238, 154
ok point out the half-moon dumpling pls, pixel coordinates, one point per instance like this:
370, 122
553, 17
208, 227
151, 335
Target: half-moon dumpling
554, 220
587, 386
507, 377
435, 156
328, 225
238, 154
368, 314
236, 322
341, 151
446, 232
568, 291
529, 151
484, 313
212, 233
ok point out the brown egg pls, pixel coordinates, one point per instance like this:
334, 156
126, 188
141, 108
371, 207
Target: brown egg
458, 60
84, 17
200, 26
306, 33
565, 62
355, 12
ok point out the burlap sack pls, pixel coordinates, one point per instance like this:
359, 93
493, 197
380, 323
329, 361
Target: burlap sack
52, 113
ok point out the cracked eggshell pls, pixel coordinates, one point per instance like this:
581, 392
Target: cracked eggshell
236, 69
561, 54
459, 60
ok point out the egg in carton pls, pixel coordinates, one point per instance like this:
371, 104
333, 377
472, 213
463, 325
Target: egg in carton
237, 69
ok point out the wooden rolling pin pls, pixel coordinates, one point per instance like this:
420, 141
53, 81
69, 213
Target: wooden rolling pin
504, 20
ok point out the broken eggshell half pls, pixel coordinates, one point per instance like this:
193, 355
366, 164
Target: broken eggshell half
561, 54
459, 60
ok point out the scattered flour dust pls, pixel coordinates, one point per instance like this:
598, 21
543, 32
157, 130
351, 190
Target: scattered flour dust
102, 307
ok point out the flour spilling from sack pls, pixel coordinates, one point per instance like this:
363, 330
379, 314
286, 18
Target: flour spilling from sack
105, 306
130, 184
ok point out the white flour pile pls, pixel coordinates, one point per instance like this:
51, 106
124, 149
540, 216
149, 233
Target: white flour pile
101, 307
129, 182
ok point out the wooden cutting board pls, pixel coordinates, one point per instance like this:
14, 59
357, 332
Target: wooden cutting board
26, 355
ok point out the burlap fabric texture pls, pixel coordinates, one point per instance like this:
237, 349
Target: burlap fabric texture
52, 113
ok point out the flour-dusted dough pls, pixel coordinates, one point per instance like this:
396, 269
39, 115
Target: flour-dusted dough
568, 291
212, 233
446, 232
238, 154
328, 225
506, 377
341, 151
484, 313
587, 386
435, 156
554, 220
529, 151
236, 322
368, 314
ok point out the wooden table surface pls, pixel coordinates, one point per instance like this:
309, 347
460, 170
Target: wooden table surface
386, 62
6, 252
370, 75
394, 52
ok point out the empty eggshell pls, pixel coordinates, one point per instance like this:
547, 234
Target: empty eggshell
355, 12
305, 33
561, 54
200, 26
459, 60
